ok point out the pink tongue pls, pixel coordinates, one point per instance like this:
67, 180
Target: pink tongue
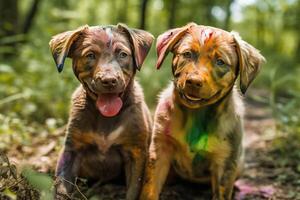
109, 104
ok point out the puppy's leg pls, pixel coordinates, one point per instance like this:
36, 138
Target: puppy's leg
68, 164
225, 173
65, 170
134, 166
223, 181
157, 168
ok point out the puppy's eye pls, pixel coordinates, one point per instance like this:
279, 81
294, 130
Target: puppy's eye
187, 54
122, 54
220, 62
91, 56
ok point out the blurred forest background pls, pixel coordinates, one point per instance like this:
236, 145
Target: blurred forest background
34, 98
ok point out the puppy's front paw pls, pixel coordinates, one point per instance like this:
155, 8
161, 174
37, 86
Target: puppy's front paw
148, 195
60, 189
216, 197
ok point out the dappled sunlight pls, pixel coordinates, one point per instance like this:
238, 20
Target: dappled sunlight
35, 99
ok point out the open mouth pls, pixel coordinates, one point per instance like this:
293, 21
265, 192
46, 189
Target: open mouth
109, 104
194, 99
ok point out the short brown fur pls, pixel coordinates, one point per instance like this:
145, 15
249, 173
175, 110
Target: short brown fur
98, 147
206, 63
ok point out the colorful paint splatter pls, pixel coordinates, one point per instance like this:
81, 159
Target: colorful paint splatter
198, 128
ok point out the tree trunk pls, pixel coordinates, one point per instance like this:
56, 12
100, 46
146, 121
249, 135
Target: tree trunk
143, 14
11, 30
259, 28
9, 21
30, 16
228, 14
114, 13
172, 15
298, 30
208, 18
122, 16
9, 17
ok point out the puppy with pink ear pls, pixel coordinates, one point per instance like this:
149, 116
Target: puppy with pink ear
110, 123
198, 122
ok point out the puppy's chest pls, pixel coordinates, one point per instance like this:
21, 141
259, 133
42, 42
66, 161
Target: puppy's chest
198, 139
103, 142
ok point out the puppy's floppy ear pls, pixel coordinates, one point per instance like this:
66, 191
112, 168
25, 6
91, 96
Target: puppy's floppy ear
141, 43
61, 43
250, 61
167, 40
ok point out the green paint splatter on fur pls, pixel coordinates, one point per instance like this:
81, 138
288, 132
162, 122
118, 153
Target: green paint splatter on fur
198, 129
198, 157
197, 133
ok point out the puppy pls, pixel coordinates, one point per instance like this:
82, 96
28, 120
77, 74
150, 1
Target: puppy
109, 123
198, 123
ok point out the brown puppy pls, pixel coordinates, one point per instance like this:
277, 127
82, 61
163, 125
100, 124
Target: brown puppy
198, 121
109, 123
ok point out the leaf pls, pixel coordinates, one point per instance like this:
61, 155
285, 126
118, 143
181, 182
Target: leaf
40, 181
13, 171
6, 68
298, 168
9, 194
45, 149
4, 171
3, 157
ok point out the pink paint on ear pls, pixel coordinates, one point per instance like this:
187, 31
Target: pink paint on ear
162, 41
141, 55
166, 41
161, 46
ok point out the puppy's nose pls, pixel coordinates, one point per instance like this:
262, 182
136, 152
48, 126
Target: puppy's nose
109, 81
194, 81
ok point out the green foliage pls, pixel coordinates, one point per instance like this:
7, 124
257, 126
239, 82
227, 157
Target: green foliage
34, 98
42, 182
31, 90
13, 185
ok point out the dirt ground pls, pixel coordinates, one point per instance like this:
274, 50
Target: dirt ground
272, 170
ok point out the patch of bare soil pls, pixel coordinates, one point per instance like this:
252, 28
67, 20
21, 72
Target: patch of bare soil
272, 169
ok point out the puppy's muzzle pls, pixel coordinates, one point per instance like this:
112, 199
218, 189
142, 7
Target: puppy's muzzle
193, 85
194, 82
107, 83
196, 90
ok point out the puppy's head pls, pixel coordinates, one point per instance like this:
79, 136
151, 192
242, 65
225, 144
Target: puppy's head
105, 59
206, 62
